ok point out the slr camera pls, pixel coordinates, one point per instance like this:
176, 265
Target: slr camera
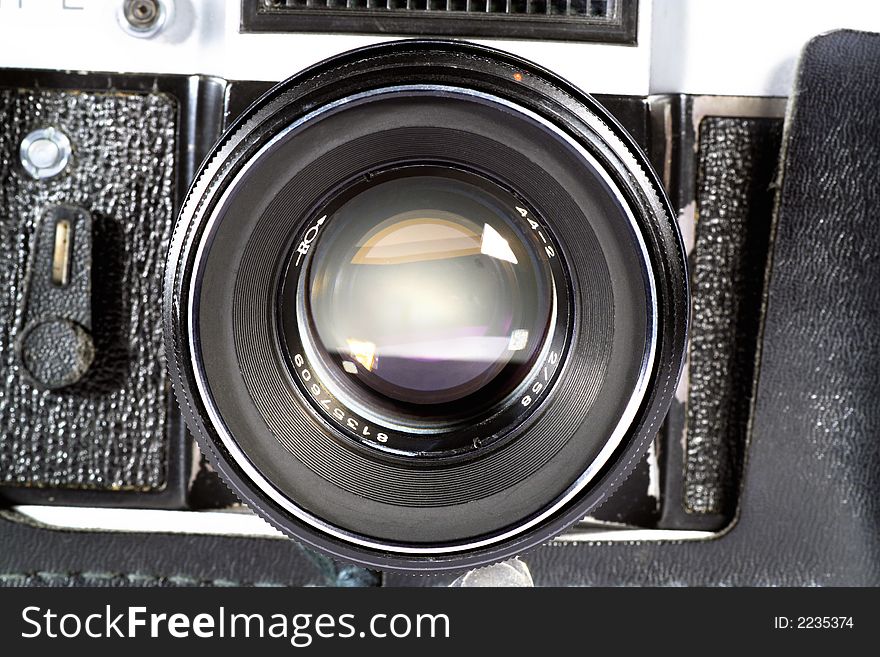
427, 305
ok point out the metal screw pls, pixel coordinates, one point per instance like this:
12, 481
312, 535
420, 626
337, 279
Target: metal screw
45, 153
144, 18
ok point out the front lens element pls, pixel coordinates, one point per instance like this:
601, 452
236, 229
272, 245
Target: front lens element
424, 289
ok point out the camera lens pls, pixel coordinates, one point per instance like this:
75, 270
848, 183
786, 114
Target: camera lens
423, 297
426, 306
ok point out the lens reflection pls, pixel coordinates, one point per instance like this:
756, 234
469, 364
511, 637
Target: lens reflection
422, 290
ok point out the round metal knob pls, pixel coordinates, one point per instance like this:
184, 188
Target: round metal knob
55, 353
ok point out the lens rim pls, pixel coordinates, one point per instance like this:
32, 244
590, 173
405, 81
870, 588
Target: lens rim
507, 76
472, 488
465, 433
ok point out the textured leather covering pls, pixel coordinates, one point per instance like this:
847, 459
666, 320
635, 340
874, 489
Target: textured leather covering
737, 163
109, 431
809, 510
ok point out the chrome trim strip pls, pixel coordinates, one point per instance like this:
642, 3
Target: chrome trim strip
243, 522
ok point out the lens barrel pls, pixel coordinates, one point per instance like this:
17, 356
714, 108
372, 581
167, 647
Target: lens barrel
426, 305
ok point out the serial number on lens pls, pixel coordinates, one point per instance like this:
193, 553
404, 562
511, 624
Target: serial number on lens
813, 623
338, 413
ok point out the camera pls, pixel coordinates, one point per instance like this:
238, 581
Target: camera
449, 366
423, 306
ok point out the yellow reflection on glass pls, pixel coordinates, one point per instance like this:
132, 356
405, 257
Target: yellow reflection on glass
363, 352
415, 238
411, 237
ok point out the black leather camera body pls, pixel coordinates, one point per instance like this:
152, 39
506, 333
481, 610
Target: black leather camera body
757, 465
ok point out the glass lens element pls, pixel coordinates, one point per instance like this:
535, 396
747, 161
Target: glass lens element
427, 290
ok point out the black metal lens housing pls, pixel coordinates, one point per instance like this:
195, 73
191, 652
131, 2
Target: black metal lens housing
426, 305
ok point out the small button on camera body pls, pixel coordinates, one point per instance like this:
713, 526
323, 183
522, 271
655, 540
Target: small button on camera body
45, 153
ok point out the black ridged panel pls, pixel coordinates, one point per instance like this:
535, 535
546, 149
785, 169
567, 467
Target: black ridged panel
576, 20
